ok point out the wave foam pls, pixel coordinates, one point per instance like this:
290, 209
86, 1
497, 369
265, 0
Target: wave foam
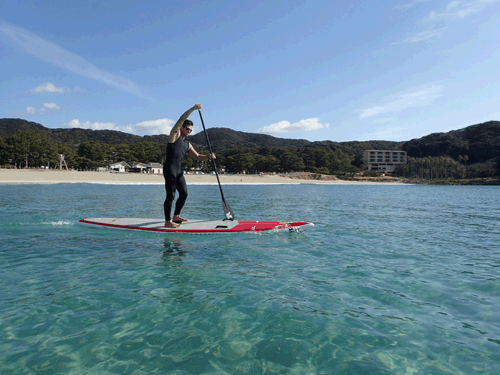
60, 222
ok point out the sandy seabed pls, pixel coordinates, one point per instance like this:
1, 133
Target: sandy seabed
42, 176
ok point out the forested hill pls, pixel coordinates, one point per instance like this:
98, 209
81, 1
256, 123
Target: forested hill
478, 142
71, 137
221, 139
224, 138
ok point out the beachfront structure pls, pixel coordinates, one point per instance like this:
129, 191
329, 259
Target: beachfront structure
383, 160
121, 166
62, 162
137, 167
155, 168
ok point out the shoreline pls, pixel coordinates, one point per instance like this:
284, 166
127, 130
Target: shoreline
42, 176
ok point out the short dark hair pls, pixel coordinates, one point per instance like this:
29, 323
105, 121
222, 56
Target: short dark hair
187, 122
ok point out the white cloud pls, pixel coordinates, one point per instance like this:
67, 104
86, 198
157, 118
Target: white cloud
457, 10
410, 4
286, 127
415, 97
31, 110
369, 112
452, 5
56, 55
49, 87
88, 125
154, 127
423, 36
454, 10
51, 106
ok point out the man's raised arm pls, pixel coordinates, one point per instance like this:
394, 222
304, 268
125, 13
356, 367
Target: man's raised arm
181, 120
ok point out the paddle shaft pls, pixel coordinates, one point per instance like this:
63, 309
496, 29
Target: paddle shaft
213, 161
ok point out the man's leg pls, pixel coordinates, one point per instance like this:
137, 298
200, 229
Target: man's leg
183, 194
170, 186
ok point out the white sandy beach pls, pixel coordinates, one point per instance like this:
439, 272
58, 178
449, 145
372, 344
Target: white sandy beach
41, 176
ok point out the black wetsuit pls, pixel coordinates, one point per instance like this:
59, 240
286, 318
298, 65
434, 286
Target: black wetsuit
174, 177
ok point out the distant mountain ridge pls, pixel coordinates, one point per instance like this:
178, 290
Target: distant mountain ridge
72, 137
221, 139
479, 142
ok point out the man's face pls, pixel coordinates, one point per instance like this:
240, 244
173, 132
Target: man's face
187, 129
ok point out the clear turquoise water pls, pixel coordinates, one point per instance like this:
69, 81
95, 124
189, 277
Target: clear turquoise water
392, 280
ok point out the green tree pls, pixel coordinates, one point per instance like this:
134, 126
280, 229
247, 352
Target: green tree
147, 152
291, 161
5, 151
121, 152
352, 170
93, 154
239, 163
316, 157
265, 163
31, 149
324, 158
341, 162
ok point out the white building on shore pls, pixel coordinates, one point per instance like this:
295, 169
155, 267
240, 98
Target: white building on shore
383, 160
155, 168
120, 167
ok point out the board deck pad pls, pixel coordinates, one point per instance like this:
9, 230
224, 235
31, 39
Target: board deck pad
199, 226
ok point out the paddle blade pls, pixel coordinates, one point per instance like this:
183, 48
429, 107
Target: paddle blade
228, 212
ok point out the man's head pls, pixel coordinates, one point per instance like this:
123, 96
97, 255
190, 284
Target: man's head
187, 126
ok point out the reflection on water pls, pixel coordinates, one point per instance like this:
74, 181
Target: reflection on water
173, 247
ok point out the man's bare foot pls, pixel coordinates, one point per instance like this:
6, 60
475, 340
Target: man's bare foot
171, 224
178, 219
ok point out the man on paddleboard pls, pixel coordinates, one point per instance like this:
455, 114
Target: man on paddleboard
172, 169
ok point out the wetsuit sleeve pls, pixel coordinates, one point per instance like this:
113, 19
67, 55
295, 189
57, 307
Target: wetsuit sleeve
180, 121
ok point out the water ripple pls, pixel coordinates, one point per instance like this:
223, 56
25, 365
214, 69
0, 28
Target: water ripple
392, 280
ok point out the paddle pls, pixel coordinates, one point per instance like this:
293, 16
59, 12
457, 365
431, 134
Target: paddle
227, 208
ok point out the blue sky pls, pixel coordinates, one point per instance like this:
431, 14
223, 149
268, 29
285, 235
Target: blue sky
315, 70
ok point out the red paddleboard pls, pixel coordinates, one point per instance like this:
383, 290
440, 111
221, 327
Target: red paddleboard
199, 226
